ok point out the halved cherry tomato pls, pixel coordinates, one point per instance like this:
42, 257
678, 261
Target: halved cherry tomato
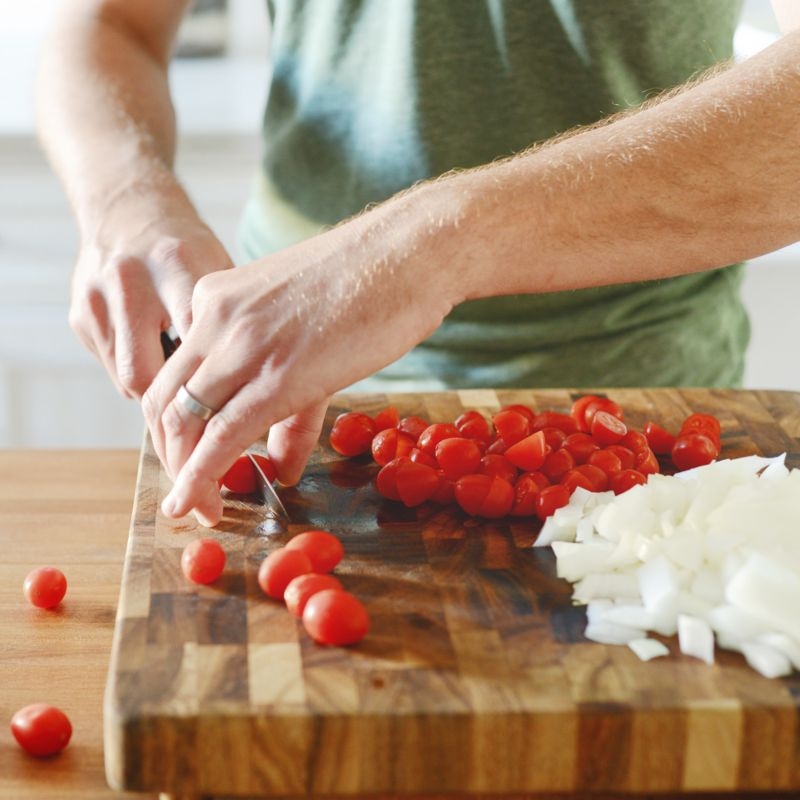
386, 479
415, 482
602, 404
352, 433
302, 588
607, 429
511, 426
580, 445
457, 456
335, 617
323, 549
706, 424
554, 419
634, 441
413, 426
499, 499
496, 464
203, 560
388, 418
445, 493
551, 498
693, 450
626, 457
434, 434
626, 479
526, 490
646, 462
241, 477
473, 425
471, 490
557, 464
45, 587
41, 729
415, 454
573, 479
390, 443
597, 477
606, 460
554, 437
279, 568
578, 410
661, 441
497, 447
529, 453
520, 408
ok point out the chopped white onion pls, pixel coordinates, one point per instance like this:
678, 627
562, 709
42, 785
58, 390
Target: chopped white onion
712, 553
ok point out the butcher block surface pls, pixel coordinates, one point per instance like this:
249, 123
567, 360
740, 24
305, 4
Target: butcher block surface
475, 676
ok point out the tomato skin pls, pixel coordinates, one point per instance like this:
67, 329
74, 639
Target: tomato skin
554, 437
471, 490
626, 457
415, 482
578, 410
526, 490
412, 426
529, 453
352, 434
659, 439
646, 462
45, 587
557, 464
573, 479
634, 441
581, 445
390, 443
473, 425
302, 588
497, 447
241, 476
386, 480
434, 434
597, 477
520, 408
607, 461
41, 730
607, 429
445, 493
279, 568
457, 456
387, 418
498, 500
496, 464
511, 426
626, 479
603, 404
203, 560
324, 550
335, 617
703, 423
693, 450
555, 419
551, 498
415, 454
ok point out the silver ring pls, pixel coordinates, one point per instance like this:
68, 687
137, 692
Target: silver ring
193, 405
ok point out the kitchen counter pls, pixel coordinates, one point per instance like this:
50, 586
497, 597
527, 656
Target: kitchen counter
71, 509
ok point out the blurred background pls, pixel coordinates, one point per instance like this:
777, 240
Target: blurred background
52, 392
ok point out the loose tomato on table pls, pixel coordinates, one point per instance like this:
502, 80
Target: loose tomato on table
45, 587
457, 456
41, 730
279, 568
302, 588
203, 560
390, 443
335, 617
693, 450
324, 550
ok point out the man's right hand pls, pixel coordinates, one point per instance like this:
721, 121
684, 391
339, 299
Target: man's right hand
133, 286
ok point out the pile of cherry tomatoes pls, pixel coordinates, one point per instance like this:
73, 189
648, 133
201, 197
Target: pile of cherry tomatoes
521, 462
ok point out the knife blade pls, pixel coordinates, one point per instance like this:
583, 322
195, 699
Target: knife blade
268, 494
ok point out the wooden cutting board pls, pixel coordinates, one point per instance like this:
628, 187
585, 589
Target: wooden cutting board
475, 676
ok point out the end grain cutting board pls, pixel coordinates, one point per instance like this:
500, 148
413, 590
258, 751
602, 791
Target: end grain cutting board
475, 676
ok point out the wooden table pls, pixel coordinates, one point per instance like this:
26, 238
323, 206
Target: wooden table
72, 510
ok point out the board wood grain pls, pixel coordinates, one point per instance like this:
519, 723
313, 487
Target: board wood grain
475, 676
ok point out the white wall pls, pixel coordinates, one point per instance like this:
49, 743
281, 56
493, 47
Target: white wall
52, 393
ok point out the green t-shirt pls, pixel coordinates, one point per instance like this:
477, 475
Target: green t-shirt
370, 96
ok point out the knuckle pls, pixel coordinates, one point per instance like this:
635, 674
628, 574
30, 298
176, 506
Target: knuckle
174, 423
223, 432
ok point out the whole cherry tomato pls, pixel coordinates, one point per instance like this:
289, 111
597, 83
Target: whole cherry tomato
511, 426
45, 587
335, 617
324, 550
41, 730
434, 434
279, 568
457, 456
302, 588
693, 450
203, 560
352, 433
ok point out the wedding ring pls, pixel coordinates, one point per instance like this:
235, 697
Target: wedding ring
193, 405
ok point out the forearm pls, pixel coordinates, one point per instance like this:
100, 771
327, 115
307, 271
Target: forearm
104, 112
705, 178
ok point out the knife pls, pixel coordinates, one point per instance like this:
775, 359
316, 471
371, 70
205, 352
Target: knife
169, 344
268, 494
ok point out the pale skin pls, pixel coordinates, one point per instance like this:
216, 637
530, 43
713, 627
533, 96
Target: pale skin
704, 178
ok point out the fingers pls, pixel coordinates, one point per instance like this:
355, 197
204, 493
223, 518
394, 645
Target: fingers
291, 441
